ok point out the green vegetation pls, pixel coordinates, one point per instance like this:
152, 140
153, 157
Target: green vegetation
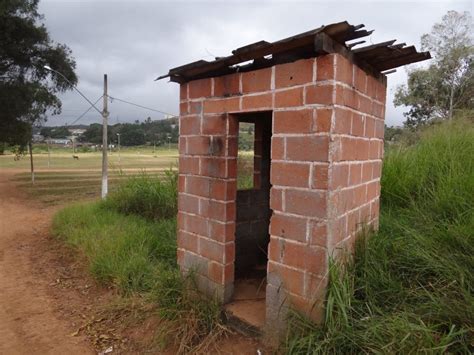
410, 286
134, 249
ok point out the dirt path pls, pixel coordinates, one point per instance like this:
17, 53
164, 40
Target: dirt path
29, 320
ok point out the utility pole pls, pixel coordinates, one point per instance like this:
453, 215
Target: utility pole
73, 145
118, 139
48, 141
105, 115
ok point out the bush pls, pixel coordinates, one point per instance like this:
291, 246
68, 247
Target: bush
154, 198
410, 286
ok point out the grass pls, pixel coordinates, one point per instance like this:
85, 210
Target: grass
410, 286
66, 179
129, 241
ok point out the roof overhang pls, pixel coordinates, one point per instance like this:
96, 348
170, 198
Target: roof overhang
377, 59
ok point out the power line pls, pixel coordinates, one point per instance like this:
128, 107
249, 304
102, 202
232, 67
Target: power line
146, 108
83, 114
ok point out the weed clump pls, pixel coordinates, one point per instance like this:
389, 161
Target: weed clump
151, 198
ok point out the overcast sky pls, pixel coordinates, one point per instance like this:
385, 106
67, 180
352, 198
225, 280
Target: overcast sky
136, 41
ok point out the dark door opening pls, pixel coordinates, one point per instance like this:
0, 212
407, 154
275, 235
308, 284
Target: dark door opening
253, 217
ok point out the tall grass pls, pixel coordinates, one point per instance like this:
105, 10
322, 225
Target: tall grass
151, 198
410, 286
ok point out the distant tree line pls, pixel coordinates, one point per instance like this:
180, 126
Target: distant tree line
157, 132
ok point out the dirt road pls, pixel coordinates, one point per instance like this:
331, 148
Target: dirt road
29, 320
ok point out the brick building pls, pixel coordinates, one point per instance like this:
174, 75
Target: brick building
317, 106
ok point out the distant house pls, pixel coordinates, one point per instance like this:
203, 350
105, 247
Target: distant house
76, 131
60, 141
38, 138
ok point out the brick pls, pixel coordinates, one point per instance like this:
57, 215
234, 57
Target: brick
213, 167
221, 232
278, 148
188, 165
197, 145
303, 257
227, 85
188, 203
275, 248
339, 176
289, 98
373, 190
200, 88
295, 73
222, 211
305, 203
222, 189
195, 107
343, 121
222, 105
355, 174
289, 227
197, 185
360, 80
232, 147
358, 125
366, 171
233, 127
221, 274
350, 98
378, 110
212, 250
375, 149
256, 101
347, 149
311, 308
195, 224
369, 127
360, 195
295, 121
291, 280
189, 125
320, 176
380, 92
344, 70
183, 92
289, 174
318, 234
322, 120
256, 80
187, 241
319, 94
325, 67
181, 183
362, 149
307, 148
376, 169
365, 104
276, 196
183, 108
371, 86
214, 125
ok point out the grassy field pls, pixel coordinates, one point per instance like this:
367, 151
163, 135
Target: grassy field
60, 178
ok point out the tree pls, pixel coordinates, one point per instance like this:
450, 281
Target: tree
27, 89
55, 132
448, 83
132, 134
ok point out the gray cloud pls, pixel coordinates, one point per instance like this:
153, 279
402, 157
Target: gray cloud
135, 41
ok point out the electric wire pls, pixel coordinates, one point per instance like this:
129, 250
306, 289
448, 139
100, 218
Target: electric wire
141, 106
84, 113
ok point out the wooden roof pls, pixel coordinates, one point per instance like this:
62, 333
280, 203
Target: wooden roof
377, 58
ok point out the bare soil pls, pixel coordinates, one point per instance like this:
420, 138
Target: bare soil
50, 305
29, 321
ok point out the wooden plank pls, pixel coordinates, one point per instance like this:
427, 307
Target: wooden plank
374, 46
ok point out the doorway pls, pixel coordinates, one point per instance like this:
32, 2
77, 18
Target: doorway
252, 217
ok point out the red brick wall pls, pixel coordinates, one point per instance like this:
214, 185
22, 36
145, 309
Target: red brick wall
325, 174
